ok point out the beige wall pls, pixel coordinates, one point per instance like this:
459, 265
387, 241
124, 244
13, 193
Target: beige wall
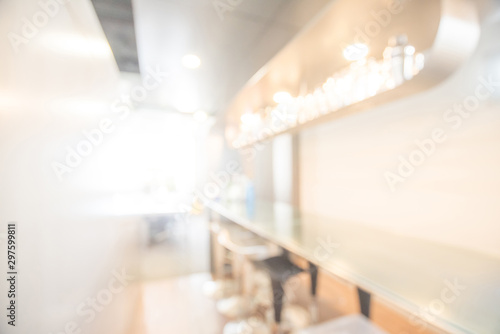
453, 197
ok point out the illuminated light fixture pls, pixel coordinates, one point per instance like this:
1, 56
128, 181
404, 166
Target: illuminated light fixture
191, 61
410, 50
200, 116
250, 119
282, 97
355, 51
356, 82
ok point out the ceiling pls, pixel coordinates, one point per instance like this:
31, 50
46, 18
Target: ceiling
233, 38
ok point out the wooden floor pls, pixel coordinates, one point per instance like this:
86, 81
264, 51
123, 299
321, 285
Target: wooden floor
180, 250
178, 306
174, 265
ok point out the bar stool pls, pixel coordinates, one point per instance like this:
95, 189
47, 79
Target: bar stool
221, 286
243, 245
280, 269
350, 324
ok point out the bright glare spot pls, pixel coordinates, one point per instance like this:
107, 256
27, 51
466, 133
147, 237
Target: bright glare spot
186, 108
410, 50
191, 61
356, 51
76, 45
8, 100
282, 97
185, 96
250, 119
155, 152
81, 106
200, 116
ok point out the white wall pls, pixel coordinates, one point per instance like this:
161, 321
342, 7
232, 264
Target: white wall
285, 169
452, 198
60, 82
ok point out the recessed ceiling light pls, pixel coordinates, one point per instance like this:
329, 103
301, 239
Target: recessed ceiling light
282, 97
191, 61
355, 51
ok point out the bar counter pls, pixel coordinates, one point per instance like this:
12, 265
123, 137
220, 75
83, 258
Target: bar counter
455, 289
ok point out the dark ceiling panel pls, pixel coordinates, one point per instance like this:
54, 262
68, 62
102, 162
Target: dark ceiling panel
117, 21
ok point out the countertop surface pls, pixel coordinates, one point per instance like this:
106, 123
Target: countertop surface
456, 289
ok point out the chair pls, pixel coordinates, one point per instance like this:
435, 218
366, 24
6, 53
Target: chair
280, 269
